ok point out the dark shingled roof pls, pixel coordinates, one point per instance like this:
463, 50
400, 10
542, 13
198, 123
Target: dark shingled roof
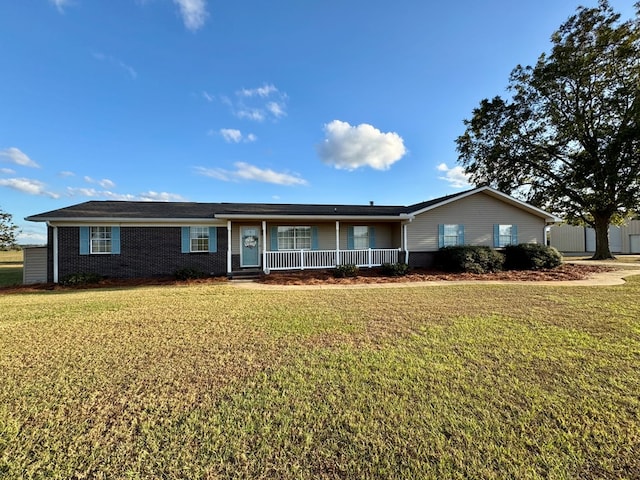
189, 210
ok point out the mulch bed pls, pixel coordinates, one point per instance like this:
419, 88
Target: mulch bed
373, 275
325, 277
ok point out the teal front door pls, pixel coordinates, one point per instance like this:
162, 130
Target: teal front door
249, 246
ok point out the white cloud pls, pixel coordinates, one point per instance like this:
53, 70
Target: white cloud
455, 176
104, 183
208, 97
263, 91
18, 157
149, 196
152, 196
60, 4
232, 135
31, 237
245, 171
251, 114
257, 104
66, 173
350, 147
28, 186
7, 171
194, 13
276, 109
116, 62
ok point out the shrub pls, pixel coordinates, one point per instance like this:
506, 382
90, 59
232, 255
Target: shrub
347, 270
81, 278
468, 258
395, 269
189, 274
531, 256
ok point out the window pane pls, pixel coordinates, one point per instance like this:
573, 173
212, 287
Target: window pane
100, 239
451, 237
294, 238
199, 239
504, 235
360, 237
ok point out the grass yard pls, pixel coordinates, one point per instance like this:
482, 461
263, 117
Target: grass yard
211, 381
10, 268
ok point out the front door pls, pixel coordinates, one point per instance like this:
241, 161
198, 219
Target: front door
249, 246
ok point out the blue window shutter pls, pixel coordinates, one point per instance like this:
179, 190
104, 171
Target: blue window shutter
274, 239
84, 240
314, 238
514, 234
440, 235
496, 235
460, 234
115, 240
372, 237
213, 239
186, 247
350, 238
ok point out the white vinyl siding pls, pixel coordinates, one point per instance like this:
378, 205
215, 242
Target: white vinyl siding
478, 213
387, 235
35, 265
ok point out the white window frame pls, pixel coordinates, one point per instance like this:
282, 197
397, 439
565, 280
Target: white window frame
197, 237
297, 240
451, 239
508, 237
100, 240
361, 237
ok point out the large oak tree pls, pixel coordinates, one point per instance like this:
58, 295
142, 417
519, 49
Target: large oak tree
568, 138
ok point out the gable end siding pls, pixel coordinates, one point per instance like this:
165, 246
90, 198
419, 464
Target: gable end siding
478, 213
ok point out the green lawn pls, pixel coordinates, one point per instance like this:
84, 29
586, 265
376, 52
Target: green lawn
10, 268
212, 381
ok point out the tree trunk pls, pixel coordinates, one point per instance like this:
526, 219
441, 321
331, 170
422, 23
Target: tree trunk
601, 226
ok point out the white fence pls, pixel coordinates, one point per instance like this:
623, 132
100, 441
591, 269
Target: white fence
308, 259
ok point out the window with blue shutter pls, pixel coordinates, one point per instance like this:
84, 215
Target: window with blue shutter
199, 239
84, 241
450, 235
504, 235
213, 239
99, 240
314, 238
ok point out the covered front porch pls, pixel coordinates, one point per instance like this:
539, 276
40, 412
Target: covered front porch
287, 244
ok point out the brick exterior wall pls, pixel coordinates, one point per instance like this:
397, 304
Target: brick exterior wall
144, 252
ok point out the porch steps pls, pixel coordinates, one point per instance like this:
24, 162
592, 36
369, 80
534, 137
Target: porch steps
248, 275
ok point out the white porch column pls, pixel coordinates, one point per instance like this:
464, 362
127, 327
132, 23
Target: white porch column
404, 244
265, 267
55, 254
337, 243
229, 266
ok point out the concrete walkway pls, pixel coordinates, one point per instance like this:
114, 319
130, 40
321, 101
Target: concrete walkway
614, 277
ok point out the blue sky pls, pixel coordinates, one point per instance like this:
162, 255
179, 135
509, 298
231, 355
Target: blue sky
250, 101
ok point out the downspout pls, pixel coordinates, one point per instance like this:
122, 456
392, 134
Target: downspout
229, 269
55, 252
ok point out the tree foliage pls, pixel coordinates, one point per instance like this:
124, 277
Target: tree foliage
8, 231
568, 138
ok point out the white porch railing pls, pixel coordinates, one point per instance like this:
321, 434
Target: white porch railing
308, 259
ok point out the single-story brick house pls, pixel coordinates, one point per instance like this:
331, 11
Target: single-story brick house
123, 239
